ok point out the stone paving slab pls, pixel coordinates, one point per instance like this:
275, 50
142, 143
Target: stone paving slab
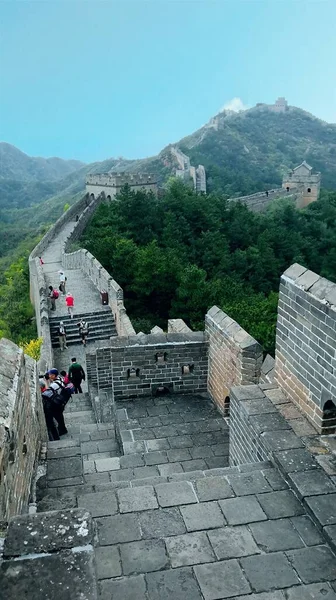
274, 536
221, 580
161, 523
232, 542
189, 549
119, 529
131, 500
99, 504
267, 572
125, 588
72, 575
177, 584
206, 515
280, 504
242, 510
45, 532
108, 563
143, 556
174, 494
314, 564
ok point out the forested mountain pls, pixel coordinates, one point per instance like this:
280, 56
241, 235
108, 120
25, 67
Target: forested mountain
18, 166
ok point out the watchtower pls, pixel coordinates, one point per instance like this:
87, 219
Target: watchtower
305, 181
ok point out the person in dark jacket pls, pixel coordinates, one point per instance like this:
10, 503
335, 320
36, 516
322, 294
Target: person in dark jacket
76, 375
61, 332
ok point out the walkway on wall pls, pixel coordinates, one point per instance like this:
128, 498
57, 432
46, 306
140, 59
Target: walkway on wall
87, 303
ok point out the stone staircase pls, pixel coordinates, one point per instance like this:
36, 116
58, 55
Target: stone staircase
101, 326
171, 518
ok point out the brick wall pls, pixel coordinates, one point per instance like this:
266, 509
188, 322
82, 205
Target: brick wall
22, 428
137, 365
259, 202
235, 357
305, 361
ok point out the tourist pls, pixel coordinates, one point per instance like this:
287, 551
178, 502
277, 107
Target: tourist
65, 377
41, 261
76, 375
83, 330
61, 332
42, 383
62, 282
70, 301
52, 295
58, 400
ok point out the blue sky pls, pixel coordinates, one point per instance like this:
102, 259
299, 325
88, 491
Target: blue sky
91, 79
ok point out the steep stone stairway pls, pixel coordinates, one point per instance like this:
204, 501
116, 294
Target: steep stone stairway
172, 519
101, 326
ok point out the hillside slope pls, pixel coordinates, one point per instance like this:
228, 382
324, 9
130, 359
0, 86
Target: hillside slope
16, 165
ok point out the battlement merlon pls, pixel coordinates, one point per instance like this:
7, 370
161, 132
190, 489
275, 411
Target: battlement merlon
120, 179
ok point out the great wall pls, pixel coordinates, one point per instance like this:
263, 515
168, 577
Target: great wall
193, 467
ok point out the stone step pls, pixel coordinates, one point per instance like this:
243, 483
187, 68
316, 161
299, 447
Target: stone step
102, 336
73, 333
91, 317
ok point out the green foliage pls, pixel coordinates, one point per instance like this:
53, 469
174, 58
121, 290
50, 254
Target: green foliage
178, 255
66, 206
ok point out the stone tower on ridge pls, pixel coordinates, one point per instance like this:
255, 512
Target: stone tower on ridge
303, 178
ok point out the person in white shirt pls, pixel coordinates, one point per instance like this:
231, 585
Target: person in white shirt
62, 282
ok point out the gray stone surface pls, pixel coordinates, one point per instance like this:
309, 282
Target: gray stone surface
189, 549
72, 576
99, 504
277, 535
118, 529
161, 523
269, 571
232, 542
141, 498
312, 483
177, 454
64, 468
280, 504
281, 440
247, 484
314, 591
126, 588
205, 515
323, 508
143, 557
47, 532
307, 530
221, 580
155, 458
170, 468
295, 460
154, 445
239, 511
314, 564
173, 494
107, 562
177, 584
213, 488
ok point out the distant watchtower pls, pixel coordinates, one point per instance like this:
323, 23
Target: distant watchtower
305, 181
112, 183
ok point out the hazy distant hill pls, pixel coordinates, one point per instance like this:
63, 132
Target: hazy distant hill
16, 165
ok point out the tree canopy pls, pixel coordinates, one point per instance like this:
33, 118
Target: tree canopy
181, 253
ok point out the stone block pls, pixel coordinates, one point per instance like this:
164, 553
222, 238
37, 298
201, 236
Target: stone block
132, 500
312, 483
213, 488
129, 461
246, 484
281, 440
156, 445
221, 580
280, 504
242, 510
118, 529
314, 564
72, 574
143, 557
161, 523
155, 458
314, 591
99, 504
181, 441
247, 392
170, 468
174, 494
178, 454
258, 407
134, 447
277, 535
107, 562
269, 571
64, 468
307, 530
294, 271
179, 584
206, 515
107, 464
232, 542
48, 532
189, 549
268, 422
295, 460
126, 588
307, 280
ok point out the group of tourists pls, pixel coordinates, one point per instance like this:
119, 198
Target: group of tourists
56, 390
83, 330
54, 294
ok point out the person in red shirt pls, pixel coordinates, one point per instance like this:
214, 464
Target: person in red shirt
65, 377
69, 300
